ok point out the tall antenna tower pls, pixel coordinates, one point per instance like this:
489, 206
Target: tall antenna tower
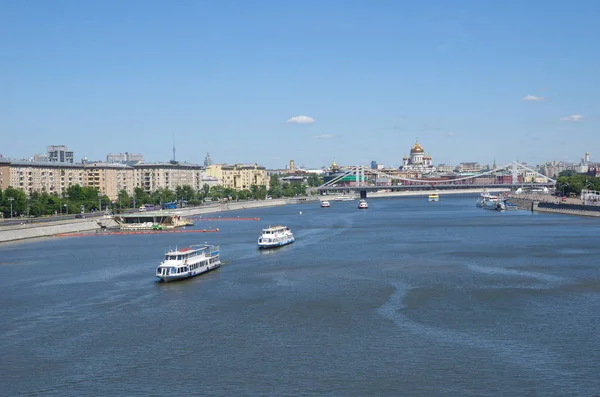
174, 160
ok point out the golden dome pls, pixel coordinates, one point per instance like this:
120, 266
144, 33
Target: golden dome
417, 148
334, 165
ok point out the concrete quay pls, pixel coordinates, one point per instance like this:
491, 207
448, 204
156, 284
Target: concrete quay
29, 231
554, 205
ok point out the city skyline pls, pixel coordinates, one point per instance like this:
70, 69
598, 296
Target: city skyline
322, 82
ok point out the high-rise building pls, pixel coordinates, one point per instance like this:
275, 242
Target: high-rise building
373, 165
207, 160
60, 154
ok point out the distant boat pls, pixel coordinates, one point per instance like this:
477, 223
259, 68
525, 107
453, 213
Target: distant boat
434, 197
325, 204
362, 205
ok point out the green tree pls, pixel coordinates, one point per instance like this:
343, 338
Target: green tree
275, 188
567, 173
15, 197
140, 196
75, 193
314, 180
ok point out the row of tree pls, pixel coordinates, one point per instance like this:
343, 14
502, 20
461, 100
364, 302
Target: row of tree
569, 182
77, 198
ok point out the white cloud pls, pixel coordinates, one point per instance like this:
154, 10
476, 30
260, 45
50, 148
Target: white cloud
300, 120
532, 98
573, 117
324, 136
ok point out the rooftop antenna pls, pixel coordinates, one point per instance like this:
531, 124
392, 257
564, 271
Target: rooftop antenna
174, 147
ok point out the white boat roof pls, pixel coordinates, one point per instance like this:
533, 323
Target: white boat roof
272, 228
187, 250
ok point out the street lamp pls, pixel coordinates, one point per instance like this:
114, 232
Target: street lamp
67, 204
564, 184
11, 199
100, 201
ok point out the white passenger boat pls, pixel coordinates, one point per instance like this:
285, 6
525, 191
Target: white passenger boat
362, 205
188, 262
325, 204
275, 236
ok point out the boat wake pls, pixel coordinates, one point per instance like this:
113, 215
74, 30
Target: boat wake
514, 352
501, 271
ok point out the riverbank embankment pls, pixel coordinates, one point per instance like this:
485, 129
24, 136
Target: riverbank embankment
554, 205
36, 230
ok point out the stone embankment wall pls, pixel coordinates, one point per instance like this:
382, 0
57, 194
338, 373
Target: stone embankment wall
551, 204
27, 231
21, 232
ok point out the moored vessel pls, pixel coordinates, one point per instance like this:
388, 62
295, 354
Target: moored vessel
188, 262
275, 236
154, 220
325, 204
362, 205
433, 197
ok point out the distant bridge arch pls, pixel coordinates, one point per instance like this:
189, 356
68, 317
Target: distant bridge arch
363, 180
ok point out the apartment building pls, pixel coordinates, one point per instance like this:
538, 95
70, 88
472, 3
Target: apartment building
60, 154
239, 176
110, 179
153, 176
469, 167
124, 158
4, 174
56, 177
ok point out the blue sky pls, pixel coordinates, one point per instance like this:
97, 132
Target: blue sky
225, 76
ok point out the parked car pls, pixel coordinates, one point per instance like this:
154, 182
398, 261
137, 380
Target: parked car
80, 216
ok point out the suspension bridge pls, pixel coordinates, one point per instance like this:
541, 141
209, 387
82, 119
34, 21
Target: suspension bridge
364, 179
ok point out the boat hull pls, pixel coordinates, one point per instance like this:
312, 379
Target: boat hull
276, 244
189, 274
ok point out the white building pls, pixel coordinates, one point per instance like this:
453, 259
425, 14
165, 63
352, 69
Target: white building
418, 160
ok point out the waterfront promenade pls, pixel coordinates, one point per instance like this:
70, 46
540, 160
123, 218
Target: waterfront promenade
47, 229
555, 205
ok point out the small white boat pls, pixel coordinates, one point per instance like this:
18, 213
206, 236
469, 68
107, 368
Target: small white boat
275, 236
434, 198
362, 205
325, 204
188, 262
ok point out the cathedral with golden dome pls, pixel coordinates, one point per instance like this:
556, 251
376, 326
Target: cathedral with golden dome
418, 160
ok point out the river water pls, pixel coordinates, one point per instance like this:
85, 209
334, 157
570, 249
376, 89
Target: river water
407, 298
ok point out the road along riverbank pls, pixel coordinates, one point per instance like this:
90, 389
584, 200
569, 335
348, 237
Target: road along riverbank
29, 231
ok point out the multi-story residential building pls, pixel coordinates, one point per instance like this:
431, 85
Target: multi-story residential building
239, 176
4, 174
45, 176
445, 168
124, 158
469, 167
110, 179
153, 176
60, 154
